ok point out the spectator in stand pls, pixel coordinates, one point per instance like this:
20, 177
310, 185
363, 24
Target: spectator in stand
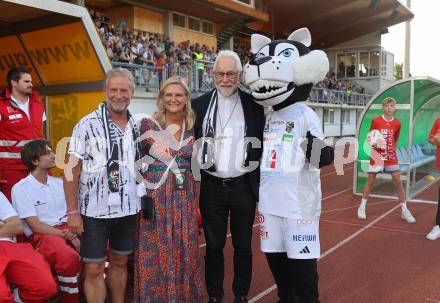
109, 50
149, 60
197, 56
121, 23
159, 66
144, 36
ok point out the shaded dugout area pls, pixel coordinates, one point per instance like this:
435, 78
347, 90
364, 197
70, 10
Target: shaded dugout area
59, 43
418, 106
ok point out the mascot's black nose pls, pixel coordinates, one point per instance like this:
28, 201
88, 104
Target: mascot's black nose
260, 60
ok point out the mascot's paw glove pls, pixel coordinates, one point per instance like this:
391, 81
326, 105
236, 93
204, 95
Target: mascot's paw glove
318, 154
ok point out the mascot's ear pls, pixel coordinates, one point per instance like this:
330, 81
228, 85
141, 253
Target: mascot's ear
257, 42
301, 35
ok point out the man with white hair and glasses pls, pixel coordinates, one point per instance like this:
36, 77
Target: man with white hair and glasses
230, 127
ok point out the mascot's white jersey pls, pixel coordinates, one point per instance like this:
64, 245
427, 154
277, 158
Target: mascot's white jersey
289, 187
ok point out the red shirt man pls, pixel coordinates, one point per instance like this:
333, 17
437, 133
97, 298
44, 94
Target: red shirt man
21, 119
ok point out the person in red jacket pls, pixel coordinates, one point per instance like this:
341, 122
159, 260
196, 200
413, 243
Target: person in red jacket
20, 264
384, 158
434, 138
21, 119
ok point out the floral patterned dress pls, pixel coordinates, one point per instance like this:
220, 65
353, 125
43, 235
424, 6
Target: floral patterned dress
167, 263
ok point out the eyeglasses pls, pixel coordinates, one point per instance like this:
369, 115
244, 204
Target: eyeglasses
229, 75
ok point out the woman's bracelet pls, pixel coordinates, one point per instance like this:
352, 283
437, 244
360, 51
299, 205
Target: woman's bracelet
73, 212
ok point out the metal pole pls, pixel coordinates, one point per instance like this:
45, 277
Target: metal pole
406, 62
410, 141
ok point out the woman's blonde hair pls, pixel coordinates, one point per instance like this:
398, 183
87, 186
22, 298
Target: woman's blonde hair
159, 115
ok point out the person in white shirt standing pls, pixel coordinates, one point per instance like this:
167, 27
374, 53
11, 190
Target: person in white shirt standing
103, 196
40, 202
20, 264
229, 181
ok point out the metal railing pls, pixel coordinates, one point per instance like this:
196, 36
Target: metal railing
199, 76
324, 95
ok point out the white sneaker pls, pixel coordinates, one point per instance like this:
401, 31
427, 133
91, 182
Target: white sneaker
407, 216
16, 296
361, 213
434, 234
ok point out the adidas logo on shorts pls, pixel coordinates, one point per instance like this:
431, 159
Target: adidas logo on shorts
305, 250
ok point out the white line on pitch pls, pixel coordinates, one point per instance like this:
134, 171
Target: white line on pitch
346, 240
335, 194
423, 201
356, 206
332, 249
375, 227
263, 293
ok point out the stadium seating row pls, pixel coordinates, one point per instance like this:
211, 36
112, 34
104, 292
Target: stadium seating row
418, 157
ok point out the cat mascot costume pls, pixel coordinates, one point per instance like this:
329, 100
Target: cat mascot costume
280, 78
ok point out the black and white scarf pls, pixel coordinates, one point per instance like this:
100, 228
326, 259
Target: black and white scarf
113, 153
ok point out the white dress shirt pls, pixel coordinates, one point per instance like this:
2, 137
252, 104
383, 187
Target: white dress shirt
229, 152
24, 106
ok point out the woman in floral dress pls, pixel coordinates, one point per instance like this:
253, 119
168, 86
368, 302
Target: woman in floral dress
167, 264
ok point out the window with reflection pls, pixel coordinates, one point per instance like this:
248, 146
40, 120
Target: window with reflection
374, 64
194, 24
345, 116
207, 27
383, 65
329, 116
179, 20
364, 64
346, 67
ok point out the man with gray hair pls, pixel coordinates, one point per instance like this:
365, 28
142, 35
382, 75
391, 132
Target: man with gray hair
103, 197
227, 121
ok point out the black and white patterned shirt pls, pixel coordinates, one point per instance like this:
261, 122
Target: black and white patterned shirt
89, 144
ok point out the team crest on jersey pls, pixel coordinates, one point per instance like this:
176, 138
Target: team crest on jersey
289, 126
284, 69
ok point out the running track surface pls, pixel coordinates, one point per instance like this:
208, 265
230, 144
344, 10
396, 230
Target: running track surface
382, 259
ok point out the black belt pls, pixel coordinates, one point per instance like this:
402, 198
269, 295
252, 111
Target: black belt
225, 182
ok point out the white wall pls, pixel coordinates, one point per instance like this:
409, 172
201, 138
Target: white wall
349, 129
333, 129
373, 39
142, 106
